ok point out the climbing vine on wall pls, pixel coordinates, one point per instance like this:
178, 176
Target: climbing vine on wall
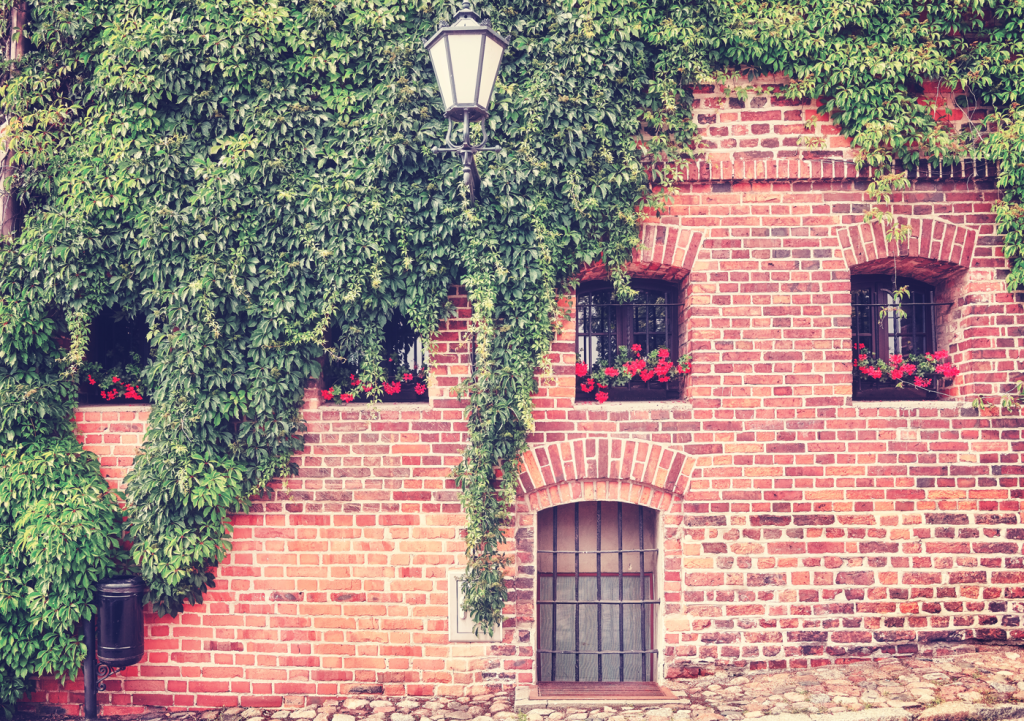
255, 177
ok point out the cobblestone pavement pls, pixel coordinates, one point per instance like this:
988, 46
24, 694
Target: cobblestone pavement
966, 687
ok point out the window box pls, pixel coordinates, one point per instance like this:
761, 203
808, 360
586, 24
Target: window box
637, 391
869, 389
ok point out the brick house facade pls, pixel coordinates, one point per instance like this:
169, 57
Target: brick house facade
795, 526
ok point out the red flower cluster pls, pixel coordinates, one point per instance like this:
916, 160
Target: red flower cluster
656, 365
357, 386
130, 392
917, 368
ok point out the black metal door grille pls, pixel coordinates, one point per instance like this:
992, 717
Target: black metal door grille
596, 592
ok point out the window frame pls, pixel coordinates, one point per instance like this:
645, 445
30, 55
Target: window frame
398, 325
625, 334
877, 288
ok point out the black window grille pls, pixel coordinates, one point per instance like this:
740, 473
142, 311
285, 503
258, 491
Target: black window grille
877, 323
597, 595
603, 324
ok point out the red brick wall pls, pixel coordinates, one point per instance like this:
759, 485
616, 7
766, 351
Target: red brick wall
798, 527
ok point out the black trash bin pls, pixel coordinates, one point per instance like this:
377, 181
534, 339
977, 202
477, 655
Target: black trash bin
120, 620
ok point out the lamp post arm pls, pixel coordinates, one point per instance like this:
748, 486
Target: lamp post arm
467, 152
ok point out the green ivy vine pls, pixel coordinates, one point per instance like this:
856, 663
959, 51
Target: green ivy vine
253, 177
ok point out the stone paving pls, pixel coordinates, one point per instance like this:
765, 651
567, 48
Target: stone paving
961, 687
912, 684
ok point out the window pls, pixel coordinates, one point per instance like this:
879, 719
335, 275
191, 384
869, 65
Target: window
404, 363
603, 325
596, 594
880, 331
117, 353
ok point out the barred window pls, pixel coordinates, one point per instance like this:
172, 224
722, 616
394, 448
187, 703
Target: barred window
882, 328
878, 325
649, 321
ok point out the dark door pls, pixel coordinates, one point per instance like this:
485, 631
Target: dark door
597, 596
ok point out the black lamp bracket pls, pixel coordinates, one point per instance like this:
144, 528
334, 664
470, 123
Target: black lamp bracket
103, 672
467, 151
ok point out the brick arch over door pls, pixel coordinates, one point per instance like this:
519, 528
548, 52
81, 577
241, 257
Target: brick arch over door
613, 469
929, 238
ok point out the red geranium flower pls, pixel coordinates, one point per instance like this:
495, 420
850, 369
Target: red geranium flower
346, 397
922, 382
635, 348
948, 370
407, 377
327, 394
581, 370
663, 353
92, 381
601, 397
611, 372
420, 389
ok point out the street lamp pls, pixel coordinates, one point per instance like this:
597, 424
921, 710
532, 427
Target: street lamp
466, 56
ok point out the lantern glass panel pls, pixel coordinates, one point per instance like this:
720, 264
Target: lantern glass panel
465, 49
489, 71
439, 58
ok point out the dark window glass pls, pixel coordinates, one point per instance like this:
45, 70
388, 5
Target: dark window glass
878, 325
118, 352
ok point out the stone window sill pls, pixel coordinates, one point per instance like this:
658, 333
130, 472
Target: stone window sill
676, 405
907, 404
